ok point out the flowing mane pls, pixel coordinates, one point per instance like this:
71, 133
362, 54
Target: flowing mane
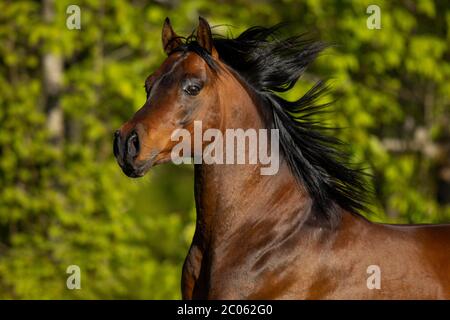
271, 64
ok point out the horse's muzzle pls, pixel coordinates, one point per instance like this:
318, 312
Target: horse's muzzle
126, 149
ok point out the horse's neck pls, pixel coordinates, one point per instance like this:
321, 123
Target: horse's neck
232, 197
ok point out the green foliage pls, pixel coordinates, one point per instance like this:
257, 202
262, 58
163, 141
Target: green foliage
68, 203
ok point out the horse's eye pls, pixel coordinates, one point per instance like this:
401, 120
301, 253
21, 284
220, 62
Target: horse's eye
192, 90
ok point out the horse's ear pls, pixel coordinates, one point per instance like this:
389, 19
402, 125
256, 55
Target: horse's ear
204, 37
170, 40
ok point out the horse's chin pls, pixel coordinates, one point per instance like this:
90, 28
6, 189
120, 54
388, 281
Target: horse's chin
134, 173
138, 170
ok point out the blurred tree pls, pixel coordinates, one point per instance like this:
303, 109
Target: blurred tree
63, 199
392, 87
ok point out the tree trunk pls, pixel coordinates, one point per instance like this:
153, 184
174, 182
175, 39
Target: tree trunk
52, 69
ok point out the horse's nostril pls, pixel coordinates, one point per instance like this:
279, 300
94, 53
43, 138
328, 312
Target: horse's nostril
133, 145
116, 147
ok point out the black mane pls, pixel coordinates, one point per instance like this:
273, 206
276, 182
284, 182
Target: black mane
271, 64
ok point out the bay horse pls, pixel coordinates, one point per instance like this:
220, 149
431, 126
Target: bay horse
298, 234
